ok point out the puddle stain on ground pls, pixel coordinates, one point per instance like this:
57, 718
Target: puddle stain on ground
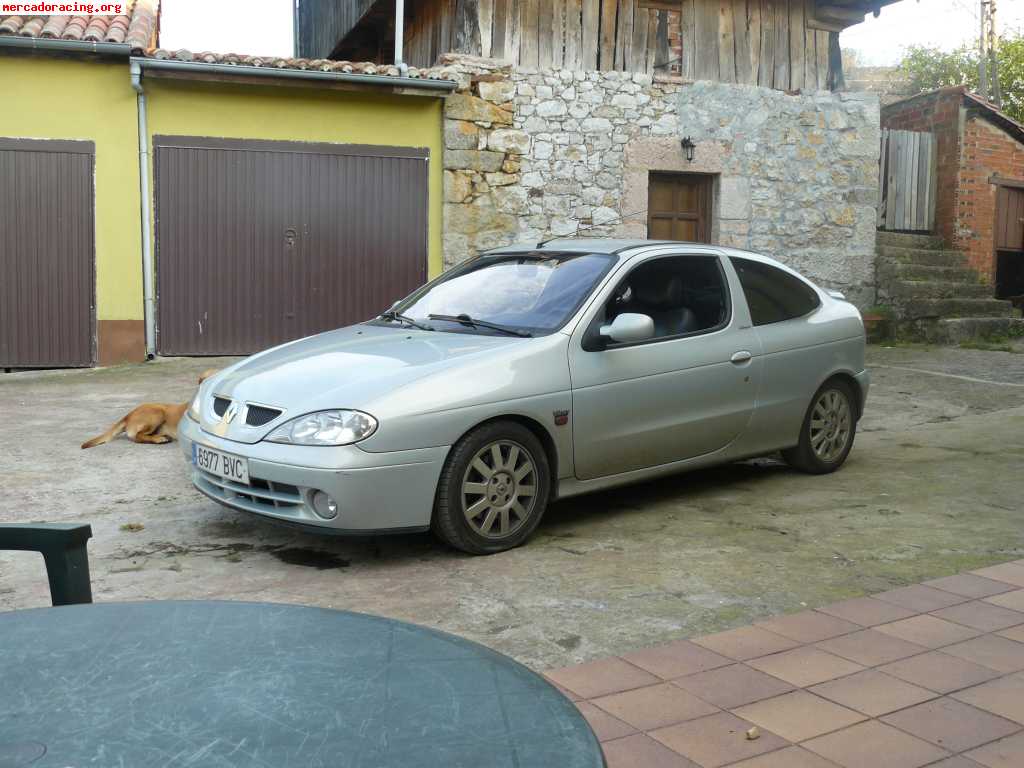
313, 558
305, 556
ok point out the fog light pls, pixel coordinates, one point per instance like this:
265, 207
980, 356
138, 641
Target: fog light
325, 506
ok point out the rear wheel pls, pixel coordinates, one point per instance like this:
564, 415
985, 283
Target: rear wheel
493, 490
829, 427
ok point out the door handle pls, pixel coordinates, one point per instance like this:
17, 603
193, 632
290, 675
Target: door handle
740, 357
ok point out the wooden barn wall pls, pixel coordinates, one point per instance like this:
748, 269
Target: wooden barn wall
755, 42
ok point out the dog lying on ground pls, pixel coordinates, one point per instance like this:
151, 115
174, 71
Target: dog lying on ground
155, 423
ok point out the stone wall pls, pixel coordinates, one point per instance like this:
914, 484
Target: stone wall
535, 154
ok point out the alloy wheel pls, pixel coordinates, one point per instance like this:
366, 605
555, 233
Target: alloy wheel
499, 489
831, 422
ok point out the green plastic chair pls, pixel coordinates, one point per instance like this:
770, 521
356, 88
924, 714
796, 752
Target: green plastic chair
63, 547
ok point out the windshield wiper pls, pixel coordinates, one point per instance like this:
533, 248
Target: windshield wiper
398, 316
471, 321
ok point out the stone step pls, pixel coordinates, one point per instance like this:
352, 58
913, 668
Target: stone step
899, 270
955, 330
924, 256
901, 240
915, 309
938, 289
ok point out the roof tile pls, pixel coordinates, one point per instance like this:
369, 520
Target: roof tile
139, 30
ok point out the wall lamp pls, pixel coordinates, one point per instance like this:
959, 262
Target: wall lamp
688, 148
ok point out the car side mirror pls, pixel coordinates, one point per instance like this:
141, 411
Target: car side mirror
628, 327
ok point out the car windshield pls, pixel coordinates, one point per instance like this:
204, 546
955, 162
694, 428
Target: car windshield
531, 293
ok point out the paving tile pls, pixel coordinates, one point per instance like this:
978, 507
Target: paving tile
929, 631
867, 611
798, 715
969, 585
876, 745
745, 643
733, 686
600, 677
1013, 633
1011, 573
790, 757
805, 666
939, 672
640, 751
808, 626
604, 726
716, 740
920, 598
1013, 600
1003, 696
870, 648
992, 651
955, 762
676, 659
654, 706
951, 724
1005, 753
873, 693
978, 614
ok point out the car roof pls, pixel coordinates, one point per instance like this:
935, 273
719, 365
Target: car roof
624, 247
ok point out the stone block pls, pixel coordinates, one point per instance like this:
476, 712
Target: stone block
509, 140
460, 134
473, 159
462, 106
734, 198
497, 92
458, 186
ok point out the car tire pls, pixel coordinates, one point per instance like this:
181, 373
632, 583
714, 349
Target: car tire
478, 495
827, 431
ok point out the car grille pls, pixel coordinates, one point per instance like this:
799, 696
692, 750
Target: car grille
258, 415
261, 493
220, 404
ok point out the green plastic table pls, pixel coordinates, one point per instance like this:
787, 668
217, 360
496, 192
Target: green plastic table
256, 684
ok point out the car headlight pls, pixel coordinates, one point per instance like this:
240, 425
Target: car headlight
193, 408
339, 427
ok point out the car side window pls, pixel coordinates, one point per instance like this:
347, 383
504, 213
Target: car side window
683, 295
773, 295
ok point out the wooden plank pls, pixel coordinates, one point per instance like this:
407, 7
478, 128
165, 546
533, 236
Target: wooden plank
890, 211
882, 173
638, 51
529, 51
923, 168
796, 45
514, 30
499, 28
663, 55
741, 32
486, 26
780, 79
726, 43
652, 41
915, 156
754, 38
591, 32
933, 183
705, 25
545, 33
573, 58
687, 38
624, 35
810, 52
606, 51
557, 33
766, 61
821, 51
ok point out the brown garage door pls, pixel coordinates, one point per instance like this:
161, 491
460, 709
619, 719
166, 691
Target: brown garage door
46, 253
263, 242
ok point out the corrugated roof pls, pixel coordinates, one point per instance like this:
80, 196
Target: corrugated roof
137, 29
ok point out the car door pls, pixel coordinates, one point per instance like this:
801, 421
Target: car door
681, 394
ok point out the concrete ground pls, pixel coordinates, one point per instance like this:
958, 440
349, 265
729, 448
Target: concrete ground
932, 487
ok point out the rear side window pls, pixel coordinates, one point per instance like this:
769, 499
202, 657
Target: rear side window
773, 295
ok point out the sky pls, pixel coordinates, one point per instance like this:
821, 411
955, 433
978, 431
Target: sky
265, 26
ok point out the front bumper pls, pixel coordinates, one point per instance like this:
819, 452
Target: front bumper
864, 384
375, 492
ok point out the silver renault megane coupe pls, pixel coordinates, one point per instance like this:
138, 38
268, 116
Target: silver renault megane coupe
529, 374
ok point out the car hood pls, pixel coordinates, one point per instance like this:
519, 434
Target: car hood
346, 368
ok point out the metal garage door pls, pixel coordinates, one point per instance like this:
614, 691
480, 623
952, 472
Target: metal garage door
262, 242
47, 260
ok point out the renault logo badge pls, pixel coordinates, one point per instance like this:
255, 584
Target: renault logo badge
229, 414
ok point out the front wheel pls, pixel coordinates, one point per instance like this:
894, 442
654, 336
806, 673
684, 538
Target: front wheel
828, 429
493, 490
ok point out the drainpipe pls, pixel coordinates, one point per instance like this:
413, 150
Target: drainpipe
399, 35
147, 250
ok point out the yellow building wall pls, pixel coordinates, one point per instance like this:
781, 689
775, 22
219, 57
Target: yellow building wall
50, 98
286, 113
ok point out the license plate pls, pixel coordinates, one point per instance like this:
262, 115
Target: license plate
229, 467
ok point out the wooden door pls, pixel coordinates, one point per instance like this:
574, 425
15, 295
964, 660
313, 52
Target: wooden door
679, 207
1009, 234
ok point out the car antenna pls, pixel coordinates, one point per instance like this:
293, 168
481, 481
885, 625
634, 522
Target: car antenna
617, 220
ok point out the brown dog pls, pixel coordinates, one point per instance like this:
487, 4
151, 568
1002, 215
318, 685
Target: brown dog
149, 423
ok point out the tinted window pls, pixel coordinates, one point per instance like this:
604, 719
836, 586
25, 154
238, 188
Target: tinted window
773, 295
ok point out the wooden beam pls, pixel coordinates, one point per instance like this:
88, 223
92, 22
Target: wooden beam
705, 48
766, 61
529, 51
663, 56
781, 79
688, 39
573, 31
624, 35
606, 51
499, 29
810, 57
821, 52
545, 33
741, 38
486, 26
591, 32
726, 43
796, 45
638, 50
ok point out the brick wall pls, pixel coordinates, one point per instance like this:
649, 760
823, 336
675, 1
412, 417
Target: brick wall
938, 113
987, 150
